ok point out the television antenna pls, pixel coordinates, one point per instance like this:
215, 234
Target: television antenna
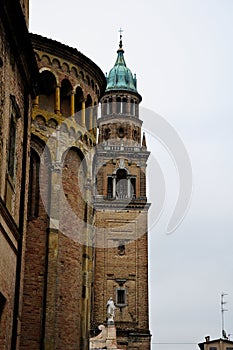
223, 303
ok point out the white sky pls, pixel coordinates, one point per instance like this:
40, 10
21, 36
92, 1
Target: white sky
182, 52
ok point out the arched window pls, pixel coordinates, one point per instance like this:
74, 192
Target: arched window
66, 89
33, 192
47, 86
88, 105
121, 184
79, 98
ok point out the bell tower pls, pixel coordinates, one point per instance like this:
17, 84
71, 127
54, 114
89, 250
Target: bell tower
121, 247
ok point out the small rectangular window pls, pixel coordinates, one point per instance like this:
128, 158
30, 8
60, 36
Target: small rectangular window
212, 348
120, 297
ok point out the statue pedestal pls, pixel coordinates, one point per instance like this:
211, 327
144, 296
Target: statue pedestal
106, 339
111, 341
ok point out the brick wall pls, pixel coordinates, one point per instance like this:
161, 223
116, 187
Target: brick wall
13, 97
52, 304
129, 271
69, 274
35, 269
7, 289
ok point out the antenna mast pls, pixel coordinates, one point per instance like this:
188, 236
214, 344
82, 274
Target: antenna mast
224, 335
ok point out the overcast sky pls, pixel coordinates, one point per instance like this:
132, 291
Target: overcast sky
182, 52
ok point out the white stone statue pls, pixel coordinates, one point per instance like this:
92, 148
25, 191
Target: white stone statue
110, 310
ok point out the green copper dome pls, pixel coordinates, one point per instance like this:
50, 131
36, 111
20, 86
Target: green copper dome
120, 76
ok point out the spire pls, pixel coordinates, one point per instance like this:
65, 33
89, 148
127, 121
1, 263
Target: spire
144, 140
120, 76
120, 43
120, 52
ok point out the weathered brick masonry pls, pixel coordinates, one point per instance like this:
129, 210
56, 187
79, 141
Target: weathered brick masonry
121, 254
73, 211
18, 72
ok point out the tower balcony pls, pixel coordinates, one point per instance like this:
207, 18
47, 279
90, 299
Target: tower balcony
107, 202
121, 148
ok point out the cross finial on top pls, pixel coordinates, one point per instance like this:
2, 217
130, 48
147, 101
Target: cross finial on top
120, 31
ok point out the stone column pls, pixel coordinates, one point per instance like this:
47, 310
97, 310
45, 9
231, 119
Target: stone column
129, 188
57, 100
83, 121
114, 186
91, 117
72, 103
121, 110
94, 123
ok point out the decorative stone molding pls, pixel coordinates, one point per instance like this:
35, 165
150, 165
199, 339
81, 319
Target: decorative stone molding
106, 339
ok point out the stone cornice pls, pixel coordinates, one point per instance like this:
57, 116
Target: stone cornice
119, 92
121, 205
125, 153
114, 118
